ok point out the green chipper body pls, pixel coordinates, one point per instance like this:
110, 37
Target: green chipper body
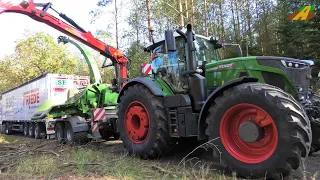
81, 102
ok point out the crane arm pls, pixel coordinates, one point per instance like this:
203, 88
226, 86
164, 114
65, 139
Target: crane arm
29, 8
95, 75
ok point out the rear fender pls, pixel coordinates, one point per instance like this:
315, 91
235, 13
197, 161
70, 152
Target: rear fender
153, 87
211, 98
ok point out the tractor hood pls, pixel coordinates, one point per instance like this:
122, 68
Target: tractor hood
285, 61
286, 73
298, 71
272, 61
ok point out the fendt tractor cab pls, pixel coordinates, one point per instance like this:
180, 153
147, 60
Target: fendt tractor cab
291, 75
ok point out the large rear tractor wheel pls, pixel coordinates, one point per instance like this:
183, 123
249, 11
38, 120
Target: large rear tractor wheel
263, 131
142, 123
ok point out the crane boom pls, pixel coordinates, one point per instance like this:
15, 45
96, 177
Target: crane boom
29, 8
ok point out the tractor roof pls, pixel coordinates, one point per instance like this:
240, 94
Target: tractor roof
157, 42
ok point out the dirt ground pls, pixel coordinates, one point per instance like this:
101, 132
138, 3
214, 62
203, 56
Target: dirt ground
196, 165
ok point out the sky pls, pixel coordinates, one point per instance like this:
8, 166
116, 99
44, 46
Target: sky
12, 25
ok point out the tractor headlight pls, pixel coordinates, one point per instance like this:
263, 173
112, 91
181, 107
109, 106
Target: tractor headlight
294, 64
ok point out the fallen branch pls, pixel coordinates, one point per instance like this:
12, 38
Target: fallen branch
49, 151
8, 166
83, 164
160, 169
9, 147
201, 146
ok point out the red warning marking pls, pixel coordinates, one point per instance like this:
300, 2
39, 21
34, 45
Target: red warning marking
146, 68
94, 126
99, 114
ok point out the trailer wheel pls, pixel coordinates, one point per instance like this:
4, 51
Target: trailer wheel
142, 123
263, 131
75, 138
39, 129
26, 129
3, 128
6, 129
31, 130
59, 132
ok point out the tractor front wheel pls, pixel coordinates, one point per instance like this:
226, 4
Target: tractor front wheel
142, 123
262, 130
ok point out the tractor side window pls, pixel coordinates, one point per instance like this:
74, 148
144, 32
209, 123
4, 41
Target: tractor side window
157, 57
205, 51
172, 63
175, 65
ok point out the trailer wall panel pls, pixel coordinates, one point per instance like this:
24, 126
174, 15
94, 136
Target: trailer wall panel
21, 103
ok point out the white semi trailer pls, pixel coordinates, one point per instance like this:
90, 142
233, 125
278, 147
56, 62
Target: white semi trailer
20, 103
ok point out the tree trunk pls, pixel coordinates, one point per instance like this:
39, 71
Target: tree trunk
181, 20
192, 16
249, 22
222, 25
149, 18
205, 19
266, 31
238, 21
187, 11
234, 22
259, 28
116, 20
221, 21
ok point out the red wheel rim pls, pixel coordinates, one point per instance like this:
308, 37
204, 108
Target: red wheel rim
137, 122
246, 152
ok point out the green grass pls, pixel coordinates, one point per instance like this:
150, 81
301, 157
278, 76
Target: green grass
80, 163
4, 139
91, 161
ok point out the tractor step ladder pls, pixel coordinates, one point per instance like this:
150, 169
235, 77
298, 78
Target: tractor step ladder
173, 117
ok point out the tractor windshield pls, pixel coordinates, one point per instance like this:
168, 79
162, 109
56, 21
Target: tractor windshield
205, 50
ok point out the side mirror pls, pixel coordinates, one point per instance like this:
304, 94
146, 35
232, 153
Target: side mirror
107, 63
217, 46
170, 41
239, 50
213, 40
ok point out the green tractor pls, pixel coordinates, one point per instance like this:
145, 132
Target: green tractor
245, 108
291, 75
